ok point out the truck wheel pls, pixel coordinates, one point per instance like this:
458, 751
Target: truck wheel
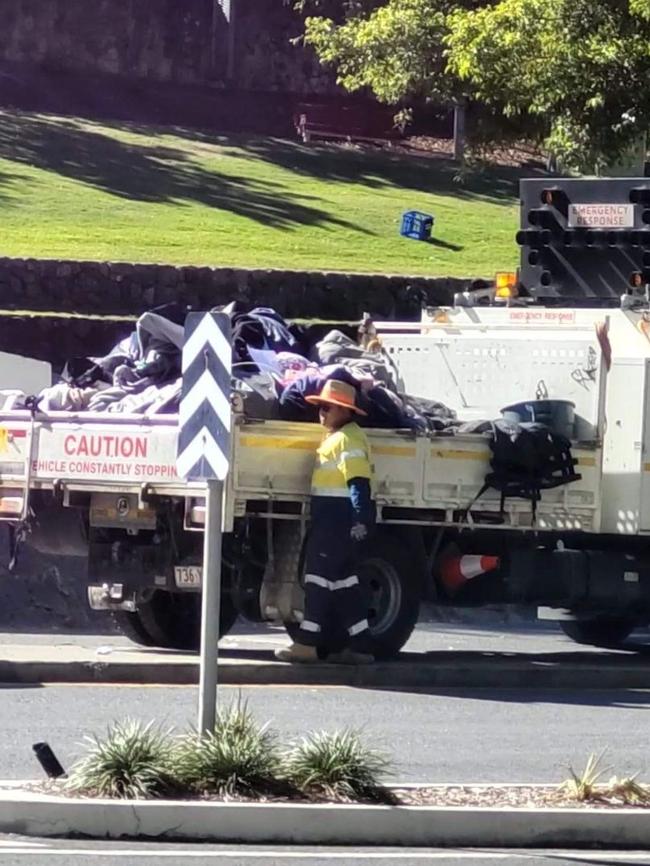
602, 631
171, 620
130, 625
392, 576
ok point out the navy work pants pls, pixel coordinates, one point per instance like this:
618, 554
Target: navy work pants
336, 611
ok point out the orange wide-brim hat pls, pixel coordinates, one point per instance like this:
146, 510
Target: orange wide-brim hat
338, 394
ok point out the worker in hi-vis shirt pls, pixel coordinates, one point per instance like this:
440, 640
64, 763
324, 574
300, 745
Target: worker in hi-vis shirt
335, 624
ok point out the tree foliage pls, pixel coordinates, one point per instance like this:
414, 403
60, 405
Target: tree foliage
397, 49
582, 64
578, 70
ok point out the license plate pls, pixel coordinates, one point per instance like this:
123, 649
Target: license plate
188, 575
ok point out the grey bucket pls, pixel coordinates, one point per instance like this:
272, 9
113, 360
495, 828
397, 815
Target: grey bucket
558, 415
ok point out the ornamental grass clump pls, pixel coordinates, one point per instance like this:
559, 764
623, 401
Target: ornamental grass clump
586, 786
133, 761
338, 766
239, 759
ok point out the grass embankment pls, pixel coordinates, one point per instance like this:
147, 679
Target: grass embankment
71, 188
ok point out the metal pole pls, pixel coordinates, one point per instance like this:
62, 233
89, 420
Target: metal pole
210, 604
217, 13
232, 43
459, 131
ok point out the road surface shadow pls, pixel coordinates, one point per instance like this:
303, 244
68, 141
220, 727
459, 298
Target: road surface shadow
21, 686
625, 698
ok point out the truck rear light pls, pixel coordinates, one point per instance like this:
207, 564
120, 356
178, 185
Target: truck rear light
640, 238
577, 237
533, 238
11, 505
640, 278
640, 195
542, 218
505, 283
197, 515
550, 196
546, 278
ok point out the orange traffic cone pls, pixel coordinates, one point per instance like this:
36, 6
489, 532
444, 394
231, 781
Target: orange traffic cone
457, 570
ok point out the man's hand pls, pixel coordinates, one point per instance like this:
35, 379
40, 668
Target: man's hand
359, 532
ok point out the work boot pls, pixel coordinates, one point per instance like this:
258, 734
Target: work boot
350, 657
297, 652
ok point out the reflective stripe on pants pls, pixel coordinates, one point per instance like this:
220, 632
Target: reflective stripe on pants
334, 600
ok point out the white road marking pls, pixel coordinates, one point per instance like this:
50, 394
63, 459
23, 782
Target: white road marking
17, 843
40, 848
597, 856
256, 854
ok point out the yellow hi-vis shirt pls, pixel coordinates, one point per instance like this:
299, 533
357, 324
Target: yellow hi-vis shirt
342, 456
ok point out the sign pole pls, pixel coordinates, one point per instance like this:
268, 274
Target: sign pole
210, 605
203, 454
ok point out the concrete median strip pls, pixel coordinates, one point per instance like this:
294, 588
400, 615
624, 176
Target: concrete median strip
24, 811
69, 663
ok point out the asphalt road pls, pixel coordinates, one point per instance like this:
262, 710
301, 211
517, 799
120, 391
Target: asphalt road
479, 735
33, 852
473, 736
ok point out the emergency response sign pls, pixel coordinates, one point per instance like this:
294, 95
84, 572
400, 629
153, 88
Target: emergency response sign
601, 216
583, 238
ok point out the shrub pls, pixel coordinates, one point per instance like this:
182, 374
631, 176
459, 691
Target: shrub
239, 759
583, 786
337, 765
586, 785
133, 761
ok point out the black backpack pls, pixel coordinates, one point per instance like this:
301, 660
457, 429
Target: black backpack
526, 459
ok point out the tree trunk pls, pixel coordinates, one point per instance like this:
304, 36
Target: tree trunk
223, 39
459, 131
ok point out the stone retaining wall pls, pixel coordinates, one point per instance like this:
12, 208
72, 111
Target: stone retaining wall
110, 289
181, 41
118, 289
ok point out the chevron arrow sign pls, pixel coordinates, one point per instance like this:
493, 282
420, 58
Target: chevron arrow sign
204, 434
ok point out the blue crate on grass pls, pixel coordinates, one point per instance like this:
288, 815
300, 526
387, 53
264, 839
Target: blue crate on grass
417, 225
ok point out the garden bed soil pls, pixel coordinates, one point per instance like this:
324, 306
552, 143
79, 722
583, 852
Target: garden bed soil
506, 797
534, 797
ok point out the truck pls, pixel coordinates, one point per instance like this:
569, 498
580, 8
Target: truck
105, 487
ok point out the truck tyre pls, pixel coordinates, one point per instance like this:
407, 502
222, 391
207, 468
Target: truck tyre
605, 631
392, 574
171, 620
130, 625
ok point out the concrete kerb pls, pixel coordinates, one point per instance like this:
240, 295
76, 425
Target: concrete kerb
446, 670
27, 813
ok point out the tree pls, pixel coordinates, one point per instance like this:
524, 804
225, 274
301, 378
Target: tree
582, 64
338, 9
575, 73
396, 49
